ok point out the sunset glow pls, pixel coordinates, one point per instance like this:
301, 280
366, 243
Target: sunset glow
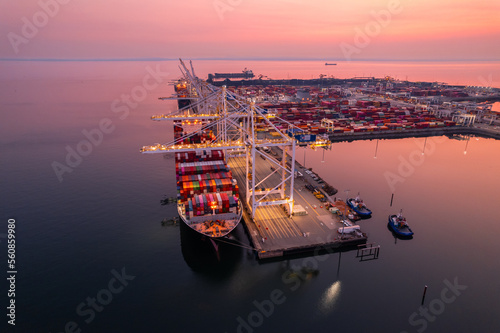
377, 29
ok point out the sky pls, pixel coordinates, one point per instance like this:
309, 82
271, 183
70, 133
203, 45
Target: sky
251, 29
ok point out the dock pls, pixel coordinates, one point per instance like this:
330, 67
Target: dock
285, 209
415, 133
274, 234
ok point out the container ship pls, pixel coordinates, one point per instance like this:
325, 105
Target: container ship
182, 92
207, 195
245, 74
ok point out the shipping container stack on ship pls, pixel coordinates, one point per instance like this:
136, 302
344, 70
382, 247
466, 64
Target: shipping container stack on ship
182, 91
207, 194
181, 137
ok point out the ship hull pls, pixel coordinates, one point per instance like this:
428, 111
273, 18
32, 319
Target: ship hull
400, 230
362, 211
212, 226
207, 194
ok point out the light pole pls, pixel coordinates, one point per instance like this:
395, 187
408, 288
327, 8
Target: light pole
346, 198
466, 144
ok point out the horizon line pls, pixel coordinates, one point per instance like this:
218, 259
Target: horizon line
244, 59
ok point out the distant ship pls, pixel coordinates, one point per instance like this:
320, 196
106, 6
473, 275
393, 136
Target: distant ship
327, 64
245, 74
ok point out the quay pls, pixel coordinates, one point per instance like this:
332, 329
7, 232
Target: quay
284, 209
484, 132
312, 229
292, 82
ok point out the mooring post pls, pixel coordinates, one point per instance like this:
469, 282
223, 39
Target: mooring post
423, 296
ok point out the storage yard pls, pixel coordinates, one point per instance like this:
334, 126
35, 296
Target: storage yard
340, 112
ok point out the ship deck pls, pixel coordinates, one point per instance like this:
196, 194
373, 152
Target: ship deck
274, 234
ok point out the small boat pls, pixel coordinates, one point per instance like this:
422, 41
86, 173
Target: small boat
397, 223
358, 206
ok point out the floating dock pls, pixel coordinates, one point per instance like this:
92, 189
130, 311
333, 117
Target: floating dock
313, 227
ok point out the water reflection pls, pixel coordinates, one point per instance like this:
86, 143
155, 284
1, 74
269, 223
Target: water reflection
330, 297
307, 269
466, 145
214, 259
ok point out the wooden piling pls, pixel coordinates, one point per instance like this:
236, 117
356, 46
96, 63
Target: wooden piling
423, 296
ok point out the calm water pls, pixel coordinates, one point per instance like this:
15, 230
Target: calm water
103, 219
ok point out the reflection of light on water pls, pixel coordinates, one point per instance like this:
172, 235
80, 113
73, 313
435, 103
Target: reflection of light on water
330, 297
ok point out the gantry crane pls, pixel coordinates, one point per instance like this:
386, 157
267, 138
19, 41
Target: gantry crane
233, 118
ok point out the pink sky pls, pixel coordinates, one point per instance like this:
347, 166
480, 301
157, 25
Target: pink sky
445, 29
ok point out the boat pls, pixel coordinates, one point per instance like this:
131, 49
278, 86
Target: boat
359, 207
327, 64
208, 199
245, 74
397, 223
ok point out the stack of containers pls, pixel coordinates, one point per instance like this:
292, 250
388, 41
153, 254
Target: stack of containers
193, 138
204, 183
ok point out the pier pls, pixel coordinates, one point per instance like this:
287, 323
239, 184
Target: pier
282, 208
285, 210
416, 133
313, 227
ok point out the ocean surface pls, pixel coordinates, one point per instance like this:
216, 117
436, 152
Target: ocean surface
93, 256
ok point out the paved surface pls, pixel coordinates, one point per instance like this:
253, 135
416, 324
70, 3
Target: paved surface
272, 231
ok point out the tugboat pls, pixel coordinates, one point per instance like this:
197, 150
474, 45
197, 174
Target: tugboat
358, 206
397, 223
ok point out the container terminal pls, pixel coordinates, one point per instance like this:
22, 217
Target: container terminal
285, 207
367, 108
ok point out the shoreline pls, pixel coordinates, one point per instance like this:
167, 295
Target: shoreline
409, 133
